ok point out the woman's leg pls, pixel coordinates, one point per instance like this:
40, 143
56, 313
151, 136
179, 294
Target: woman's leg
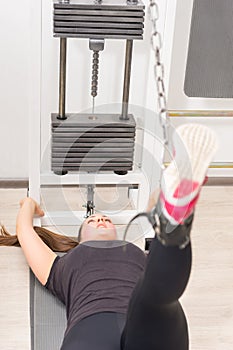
101, 331
155, 319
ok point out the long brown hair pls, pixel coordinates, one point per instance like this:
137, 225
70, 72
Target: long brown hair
55, 241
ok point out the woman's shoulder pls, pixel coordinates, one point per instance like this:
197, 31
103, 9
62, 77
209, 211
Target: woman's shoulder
114, 248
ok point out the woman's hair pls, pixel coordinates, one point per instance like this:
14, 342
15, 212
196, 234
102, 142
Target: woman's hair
56, 242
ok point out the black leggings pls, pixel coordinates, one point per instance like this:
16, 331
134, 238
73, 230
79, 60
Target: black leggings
155, 319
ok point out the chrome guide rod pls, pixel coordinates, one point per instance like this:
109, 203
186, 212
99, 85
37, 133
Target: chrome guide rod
128, 61
90, 200
93, 105
62, 79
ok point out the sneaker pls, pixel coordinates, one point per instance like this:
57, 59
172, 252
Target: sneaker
194, 147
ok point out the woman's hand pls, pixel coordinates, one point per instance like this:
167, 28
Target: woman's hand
39, 256
36, 209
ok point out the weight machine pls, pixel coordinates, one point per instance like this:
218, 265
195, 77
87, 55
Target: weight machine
98, 148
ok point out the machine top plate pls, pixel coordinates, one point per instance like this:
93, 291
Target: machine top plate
92, 4
92, 120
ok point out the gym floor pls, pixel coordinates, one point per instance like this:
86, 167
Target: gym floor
208, 300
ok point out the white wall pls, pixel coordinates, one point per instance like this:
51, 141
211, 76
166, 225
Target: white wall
14, 88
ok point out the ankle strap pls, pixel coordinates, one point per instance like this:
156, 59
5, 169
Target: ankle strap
169, 234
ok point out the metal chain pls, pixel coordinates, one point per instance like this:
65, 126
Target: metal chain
156, 43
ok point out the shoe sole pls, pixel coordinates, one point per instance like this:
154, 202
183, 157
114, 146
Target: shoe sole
194, 145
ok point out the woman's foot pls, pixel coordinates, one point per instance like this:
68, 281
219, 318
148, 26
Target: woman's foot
194, 148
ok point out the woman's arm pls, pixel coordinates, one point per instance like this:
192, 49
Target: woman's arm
39, 256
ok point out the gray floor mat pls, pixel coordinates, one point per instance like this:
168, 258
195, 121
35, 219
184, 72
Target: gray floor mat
48, 318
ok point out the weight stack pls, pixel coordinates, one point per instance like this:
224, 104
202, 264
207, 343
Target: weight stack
112, 19
92, 143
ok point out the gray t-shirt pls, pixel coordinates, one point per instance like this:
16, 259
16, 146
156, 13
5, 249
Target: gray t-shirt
96, 276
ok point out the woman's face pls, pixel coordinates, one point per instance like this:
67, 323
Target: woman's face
98, 227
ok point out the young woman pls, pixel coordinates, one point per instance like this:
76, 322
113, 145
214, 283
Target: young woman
117, 298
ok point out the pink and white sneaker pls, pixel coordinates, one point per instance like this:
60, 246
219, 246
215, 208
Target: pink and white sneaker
194, 147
